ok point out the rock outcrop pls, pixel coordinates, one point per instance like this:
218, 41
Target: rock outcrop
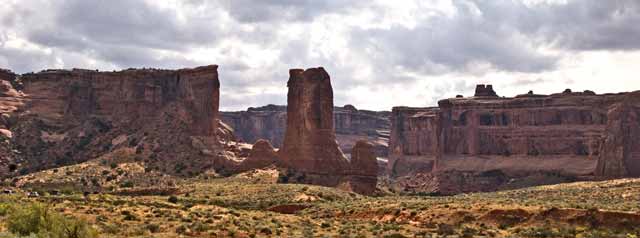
168, 117
351, 125
310, 143
485, 91
527, 140
363, 169
262, 155
310, 148
620, 149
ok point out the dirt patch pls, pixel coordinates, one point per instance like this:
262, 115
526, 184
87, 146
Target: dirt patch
288, 208
507, 217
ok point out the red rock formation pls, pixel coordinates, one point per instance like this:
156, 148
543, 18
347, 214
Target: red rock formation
530, 135
267, 122
262, 155
310, 145
351, 125
363, 169
170, 117
620, 151
485, 91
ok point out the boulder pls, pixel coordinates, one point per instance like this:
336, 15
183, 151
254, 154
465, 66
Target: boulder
363, 176
261, 155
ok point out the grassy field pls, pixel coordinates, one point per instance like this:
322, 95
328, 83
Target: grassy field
253, 205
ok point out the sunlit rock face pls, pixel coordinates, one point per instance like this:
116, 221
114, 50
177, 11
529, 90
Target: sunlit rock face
493, 143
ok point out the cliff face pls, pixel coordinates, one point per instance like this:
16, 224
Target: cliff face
70, 116
523, 137
620, 149
269, 122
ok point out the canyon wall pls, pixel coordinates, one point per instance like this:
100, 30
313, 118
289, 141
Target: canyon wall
527, 139
269, 122
70, 116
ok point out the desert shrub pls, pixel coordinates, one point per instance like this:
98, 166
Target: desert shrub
181, 229
200, 227
153, 228
173, 199
4, 209
127, 184
394, 235
128, 216
37, 219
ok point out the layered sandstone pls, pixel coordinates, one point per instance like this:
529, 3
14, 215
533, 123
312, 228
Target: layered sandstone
310, 143
525, 139
620, 149
363, 169
310, 148
351, 125
165, 116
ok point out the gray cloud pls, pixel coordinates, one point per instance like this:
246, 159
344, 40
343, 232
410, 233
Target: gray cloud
253, 11
480, 37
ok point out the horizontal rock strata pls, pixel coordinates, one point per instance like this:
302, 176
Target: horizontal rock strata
529, 135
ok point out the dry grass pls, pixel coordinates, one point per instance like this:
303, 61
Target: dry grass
243, 205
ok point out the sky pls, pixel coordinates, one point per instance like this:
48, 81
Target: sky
379, 53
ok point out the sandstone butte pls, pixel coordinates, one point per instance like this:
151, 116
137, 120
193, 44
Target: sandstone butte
310, 148
486, 142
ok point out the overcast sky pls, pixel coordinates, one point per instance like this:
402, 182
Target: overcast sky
379, 53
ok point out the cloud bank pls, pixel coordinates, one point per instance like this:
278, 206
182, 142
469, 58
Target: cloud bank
379, 53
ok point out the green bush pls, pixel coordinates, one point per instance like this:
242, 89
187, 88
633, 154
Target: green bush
37, 219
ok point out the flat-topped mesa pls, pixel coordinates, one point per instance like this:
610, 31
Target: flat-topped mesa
164, 116
531, 138
310, 143
485, 91
125, 95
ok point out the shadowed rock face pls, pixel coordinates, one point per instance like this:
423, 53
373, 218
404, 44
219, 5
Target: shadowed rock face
165, 116
310, 143
620, 149
527, 140
350, 124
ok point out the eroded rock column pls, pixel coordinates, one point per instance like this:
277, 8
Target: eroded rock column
310, 145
